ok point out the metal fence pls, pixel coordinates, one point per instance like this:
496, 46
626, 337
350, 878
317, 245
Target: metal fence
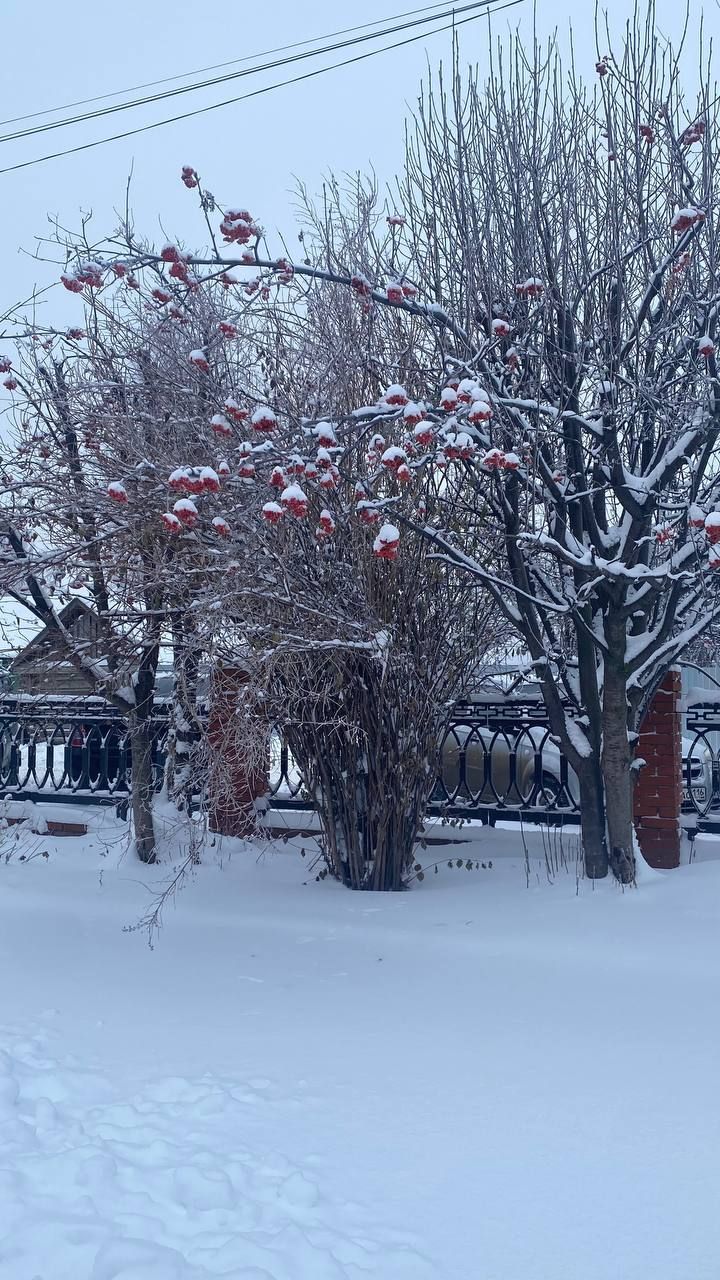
701, 762
497, 759
73, 750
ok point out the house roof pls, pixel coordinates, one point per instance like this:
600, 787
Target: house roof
73, 610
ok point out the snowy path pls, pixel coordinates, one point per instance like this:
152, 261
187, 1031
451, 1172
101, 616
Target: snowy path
470, 1080
166, 1184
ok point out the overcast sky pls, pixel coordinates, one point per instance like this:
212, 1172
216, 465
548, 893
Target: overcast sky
249, 153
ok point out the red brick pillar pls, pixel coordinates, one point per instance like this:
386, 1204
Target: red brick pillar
658, 789
233, 790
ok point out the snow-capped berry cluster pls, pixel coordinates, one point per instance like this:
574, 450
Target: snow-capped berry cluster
694, 133
533, 287
186, 511
395, 396
87, 273
198, 358
361, 285
326, 524
220, 425
500, 327
195, 480
684, 219
264, 420
712, 527
498, 460
709, 525
387, 542
295, 501
398, 291
236, 411
179, 263
238, 227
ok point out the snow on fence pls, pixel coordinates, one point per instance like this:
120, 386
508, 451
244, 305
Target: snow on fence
497, 759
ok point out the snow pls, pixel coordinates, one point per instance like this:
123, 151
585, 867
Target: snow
698, 695
395, 395
393, 456
388, 535
474, 1078
577, 736
293, 493
185, 507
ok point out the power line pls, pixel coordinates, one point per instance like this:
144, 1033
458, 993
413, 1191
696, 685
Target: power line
215, 106
220, 66
238, 75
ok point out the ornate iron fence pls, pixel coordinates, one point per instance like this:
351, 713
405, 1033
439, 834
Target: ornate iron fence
497, 759
701, 761
69, 749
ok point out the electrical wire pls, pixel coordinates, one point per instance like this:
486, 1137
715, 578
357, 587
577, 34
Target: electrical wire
220, 66
238, 75
215, 106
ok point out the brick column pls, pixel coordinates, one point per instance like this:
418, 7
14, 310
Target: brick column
232, 790
658, 789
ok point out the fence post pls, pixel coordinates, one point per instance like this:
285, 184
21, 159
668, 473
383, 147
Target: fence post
658, 788
233, 787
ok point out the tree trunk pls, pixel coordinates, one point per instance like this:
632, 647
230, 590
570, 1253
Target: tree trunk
143, 789
592, 821
184, 733
369, 837
371, 792
587, 768
617, 778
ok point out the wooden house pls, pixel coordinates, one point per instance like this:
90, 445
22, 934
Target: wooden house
43, 666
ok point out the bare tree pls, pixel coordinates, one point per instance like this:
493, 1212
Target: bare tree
560, 238
573, 231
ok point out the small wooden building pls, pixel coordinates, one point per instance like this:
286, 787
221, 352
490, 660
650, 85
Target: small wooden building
43, 665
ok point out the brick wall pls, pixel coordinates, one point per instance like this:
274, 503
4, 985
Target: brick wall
658, 789
232, 791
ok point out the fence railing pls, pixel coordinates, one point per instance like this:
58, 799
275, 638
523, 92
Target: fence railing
70, 750
497, 759
701, 761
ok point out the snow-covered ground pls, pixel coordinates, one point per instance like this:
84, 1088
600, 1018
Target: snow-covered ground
474, 1080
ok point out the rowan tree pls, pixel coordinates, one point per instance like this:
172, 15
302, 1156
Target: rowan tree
111, 419
218, 517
